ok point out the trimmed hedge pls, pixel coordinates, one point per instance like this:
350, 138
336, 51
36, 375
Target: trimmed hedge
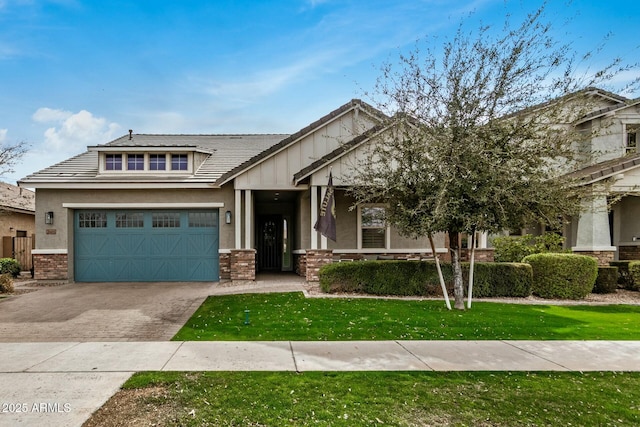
9, 266
634, 273
515, 248
563, 276
420, 278
625, 280
607, 280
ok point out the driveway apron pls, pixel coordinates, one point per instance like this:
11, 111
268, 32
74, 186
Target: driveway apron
101, 312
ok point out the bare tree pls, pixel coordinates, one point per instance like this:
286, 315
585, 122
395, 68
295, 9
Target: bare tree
10, 155
480, 135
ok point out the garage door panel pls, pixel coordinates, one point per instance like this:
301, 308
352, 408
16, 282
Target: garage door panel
146, 246
170, 244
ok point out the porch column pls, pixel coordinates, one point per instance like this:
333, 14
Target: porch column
248, 211
314, 216
238, 219
593, 234
482, 240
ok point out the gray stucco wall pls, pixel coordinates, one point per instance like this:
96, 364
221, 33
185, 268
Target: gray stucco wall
48, 200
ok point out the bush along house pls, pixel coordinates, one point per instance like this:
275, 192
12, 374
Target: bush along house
211, 207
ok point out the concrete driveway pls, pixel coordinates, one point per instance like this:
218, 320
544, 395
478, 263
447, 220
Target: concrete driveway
101, 312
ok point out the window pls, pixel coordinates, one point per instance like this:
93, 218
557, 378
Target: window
202, 219
179, 162
631, 138
92, 220
373, 227
157, 162
130, 220
165, 220
113, 162
135, 162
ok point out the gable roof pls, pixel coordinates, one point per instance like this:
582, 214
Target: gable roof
224, 152
227, 155
340, 151
610, 109
606, 169
255, 160
17, 199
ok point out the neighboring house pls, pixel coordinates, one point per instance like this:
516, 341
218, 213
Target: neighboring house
205, 207
17, 223
609, 227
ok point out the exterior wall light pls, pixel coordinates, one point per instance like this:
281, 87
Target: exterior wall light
48, 217
227, 217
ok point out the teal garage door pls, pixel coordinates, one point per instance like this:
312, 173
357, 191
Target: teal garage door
146, 245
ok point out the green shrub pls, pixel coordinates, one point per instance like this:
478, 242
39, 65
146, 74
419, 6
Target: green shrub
9, 266
515, 248
6, 283
492, 279
624, 278
634, 273
607, 280
419, 278
567, 276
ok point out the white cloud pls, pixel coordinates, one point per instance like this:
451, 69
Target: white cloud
74, 131
3, 135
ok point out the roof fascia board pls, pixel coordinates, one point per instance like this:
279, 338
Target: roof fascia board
115, 185
607, 111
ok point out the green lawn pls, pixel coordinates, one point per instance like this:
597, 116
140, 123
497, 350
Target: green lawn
292, 317
395, 399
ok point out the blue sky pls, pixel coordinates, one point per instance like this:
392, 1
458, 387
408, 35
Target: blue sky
77, 72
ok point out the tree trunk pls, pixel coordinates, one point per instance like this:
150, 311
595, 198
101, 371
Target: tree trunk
458, 287
443, 285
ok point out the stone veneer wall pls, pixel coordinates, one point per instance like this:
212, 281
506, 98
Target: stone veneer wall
300, 264
50, 266
603, 257
481, 255
629, 252
225, 266
316, 258
243, 264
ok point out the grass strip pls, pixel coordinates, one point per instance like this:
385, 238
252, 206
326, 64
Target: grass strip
292, 317
396, 398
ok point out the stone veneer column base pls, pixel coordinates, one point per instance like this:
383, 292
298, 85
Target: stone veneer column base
225, 265
603, 257
316, 258
242, 264
300, 263
629, 252
480, 255
50, 266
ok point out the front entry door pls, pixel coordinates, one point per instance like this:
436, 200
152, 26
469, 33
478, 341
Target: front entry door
269, 243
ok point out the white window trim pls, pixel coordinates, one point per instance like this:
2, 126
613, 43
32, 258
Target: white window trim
387, 234
625, 134
102, 164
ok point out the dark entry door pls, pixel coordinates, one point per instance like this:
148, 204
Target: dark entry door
269, 243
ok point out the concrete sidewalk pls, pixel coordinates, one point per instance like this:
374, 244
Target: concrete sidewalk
63, 383
320, 356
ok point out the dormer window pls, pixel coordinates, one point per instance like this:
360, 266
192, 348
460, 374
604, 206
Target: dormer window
130, 161
135, 162
113, 162
157, 162
179, 162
